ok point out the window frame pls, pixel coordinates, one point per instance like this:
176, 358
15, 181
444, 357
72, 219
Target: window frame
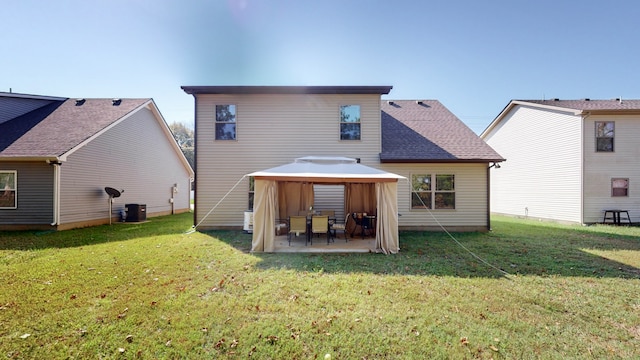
344, 124
442, 192
598, 137
432, 191
4, 188
223, 123
614, 188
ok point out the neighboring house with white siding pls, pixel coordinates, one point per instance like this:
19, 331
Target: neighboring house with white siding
243, 129
567, 160
57, 155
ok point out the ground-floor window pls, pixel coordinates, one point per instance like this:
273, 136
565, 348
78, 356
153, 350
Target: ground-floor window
433, 191
251, 192
8, 189
619, 187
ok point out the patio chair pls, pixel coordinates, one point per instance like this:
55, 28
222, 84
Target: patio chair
320, 225
329, 213
297, 226
335, 227
362, 221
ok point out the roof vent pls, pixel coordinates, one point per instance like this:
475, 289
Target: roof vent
80, 102
556, 99
116, 102
390, 103
587, 99
419, 102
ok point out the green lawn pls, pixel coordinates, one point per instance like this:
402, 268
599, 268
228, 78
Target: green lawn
152, 291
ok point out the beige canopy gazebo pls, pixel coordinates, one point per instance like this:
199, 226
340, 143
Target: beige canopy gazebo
274, 188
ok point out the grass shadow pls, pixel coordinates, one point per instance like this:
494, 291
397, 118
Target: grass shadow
34, 240
514, 246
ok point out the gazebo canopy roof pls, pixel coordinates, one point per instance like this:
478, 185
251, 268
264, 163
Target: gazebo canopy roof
322, 169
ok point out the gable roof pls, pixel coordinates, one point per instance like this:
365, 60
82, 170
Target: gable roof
575, 107
55, 129
588, 104
426, 131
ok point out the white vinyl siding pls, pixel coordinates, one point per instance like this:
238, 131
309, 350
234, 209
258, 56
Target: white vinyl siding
603, 166
35, 193
135, 156
542, 176
330, 197
272, 130
471, 197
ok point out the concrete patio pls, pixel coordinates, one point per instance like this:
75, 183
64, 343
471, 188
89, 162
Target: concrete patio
338, 245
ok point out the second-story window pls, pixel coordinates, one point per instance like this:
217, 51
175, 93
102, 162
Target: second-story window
350, 122
225, 122
604, 136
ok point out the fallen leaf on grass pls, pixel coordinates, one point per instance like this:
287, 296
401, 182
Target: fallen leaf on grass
24, 336
271, 339
492, 347
464, 341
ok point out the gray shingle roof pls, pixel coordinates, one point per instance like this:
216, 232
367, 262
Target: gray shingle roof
587, 104
53, 133
429, 132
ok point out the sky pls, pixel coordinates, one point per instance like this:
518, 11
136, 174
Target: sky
472, 56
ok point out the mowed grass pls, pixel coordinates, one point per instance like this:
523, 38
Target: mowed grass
152, 291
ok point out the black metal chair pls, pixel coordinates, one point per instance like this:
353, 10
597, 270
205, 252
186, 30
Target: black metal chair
335, 227
358, 219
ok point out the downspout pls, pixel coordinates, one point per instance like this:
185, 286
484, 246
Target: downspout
488, 198
195, 162
56, 191
583, 123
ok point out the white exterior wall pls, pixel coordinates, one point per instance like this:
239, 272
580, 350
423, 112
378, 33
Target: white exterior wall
271, 130
601, 167
471, 197
541, 177
134, 155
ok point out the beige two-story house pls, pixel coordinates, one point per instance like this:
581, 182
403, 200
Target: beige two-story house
568, 160
243, 129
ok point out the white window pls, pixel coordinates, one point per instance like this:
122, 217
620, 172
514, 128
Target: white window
426, 196
350, 122
225, 122
8, 189
619, 187
605, 131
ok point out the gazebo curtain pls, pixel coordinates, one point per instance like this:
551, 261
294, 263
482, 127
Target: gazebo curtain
293, 197
264, 216
387, 238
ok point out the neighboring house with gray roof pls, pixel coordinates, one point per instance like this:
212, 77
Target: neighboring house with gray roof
57, 155
243, 129
567, 160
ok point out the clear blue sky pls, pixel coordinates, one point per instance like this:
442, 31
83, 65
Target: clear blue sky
473, 56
